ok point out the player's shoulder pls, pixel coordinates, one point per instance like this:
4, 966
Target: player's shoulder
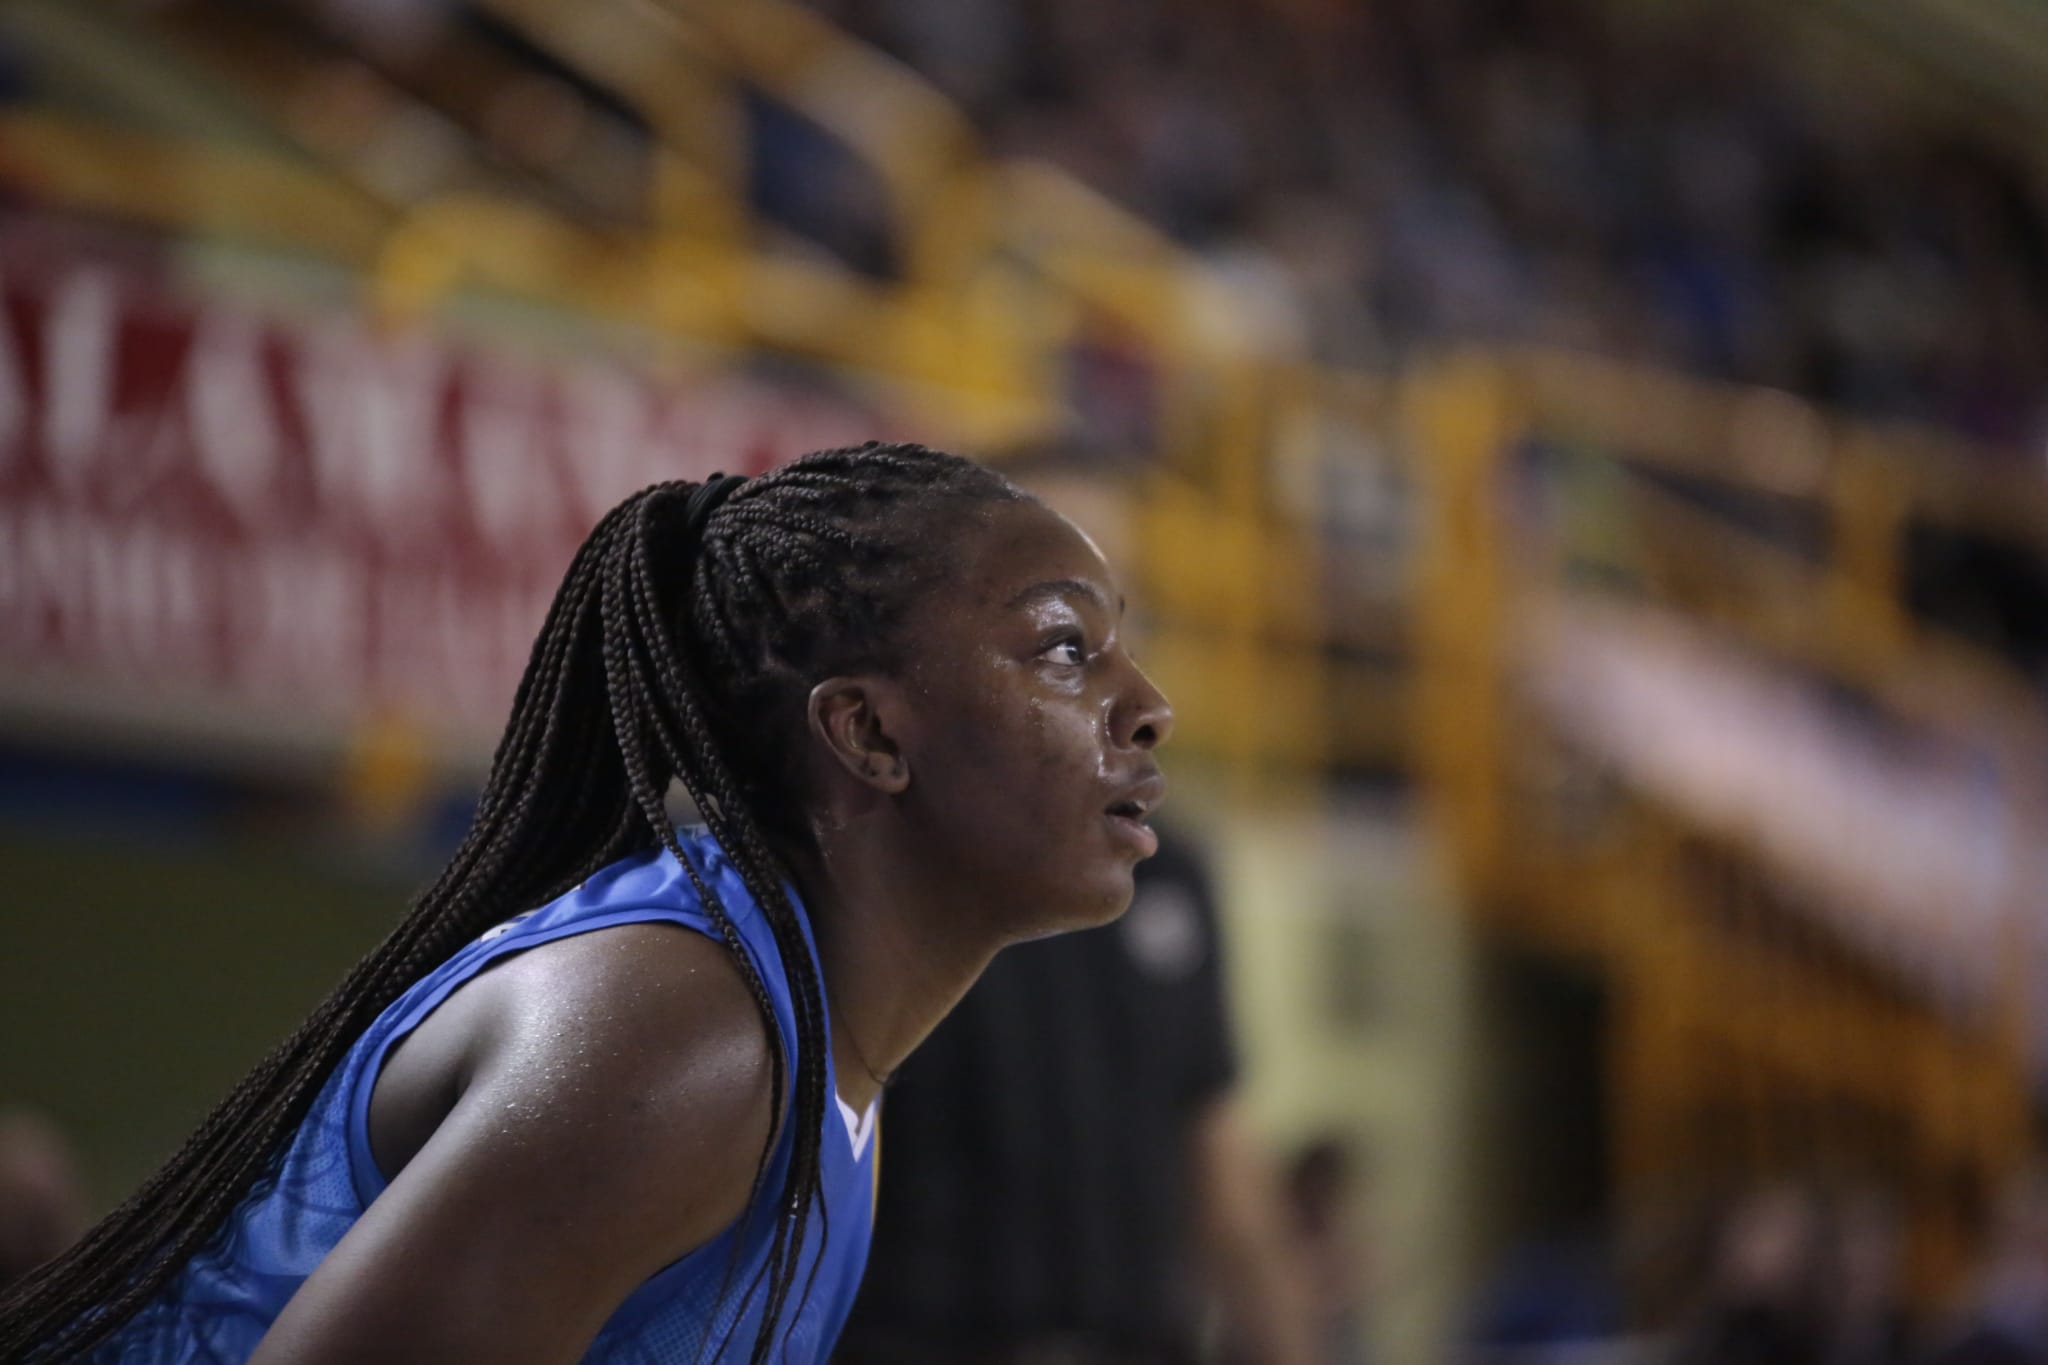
657, 992
609, 1121
634, 1038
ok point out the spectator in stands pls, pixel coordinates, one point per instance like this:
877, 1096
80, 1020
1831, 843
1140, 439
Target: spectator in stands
2005, 1321
42, 1204
1323, 1189
1761, 1303
1867, 1320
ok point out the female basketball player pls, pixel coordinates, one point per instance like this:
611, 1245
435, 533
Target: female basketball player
608, 1092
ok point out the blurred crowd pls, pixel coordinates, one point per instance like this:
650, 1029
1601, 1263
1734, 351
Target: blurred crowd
1375, 178
1668, 183
1780, 1274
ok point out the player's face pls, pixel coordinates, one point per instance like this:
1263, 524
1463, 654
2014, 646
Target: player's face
1032, 730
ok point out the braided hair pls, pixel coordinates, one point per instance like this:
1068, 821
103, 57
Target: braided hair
669, 652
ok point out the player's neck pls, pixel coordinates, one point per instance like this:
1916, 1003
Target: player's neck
897, 950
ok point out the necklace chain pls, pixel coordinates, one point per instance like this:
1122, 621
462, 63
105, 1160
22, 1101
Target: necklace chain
858, 1055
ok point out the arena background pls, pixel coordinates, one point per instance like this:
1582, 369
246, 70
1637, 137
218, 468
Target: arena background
1581, 467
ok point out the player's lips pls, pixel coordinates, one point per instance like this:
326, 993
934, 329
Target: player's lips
1132, 807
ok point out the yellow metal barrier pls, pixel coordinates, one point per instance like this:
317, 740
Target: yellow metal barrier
216, 192
1750, 1040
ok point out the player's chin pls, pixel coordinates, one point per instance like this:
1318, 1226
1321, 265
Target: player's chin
1108, 892
1099, 887
1085, 902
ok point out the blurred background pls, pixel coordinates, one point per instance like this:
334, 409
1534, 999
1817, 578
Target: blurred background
1581, 466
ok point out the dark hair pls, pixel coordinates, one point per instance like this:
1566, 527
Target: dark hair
649, 668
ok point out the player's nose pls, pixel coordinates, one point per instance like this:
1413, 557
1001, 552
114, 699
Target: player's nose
1144, 717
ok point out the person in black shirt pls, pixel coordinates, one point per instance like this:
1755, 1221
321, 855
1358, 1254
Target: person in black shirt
1065, 1177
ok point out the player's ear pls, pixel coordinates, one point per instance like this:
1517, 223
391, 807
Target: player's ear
850, 716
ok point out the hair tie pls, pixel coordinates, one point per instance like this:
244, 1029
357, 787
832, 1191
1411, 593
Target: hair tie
703, 501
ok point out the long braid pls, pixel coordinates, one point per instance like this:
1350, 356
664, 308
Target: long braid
708, 777
809, 571
76, 1300
804, 571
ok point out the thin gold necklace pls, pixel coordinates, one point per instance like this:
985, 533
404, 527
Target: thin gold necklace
858, 1055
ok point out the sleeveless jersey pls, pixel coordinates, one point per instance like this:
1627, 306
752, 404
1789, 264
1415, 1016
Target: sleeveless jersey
696, 1309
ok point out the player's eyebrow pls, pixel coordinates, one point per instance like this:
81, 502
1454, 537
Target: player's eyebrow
1062, 587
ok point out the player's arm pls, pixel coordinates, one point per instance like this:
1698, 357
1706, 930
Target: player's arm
612, 1125
1256, 1273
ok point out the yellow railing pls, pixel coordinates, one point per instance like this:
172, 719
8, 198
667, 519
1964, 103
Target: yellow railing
204, 190
1751, 1037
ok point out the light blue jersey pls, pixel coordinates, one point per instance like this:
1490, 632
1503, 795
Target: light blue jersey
220, 1305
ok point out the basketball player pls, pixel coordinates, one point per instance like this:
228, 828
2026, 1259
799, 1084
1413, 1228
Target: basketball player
608, 1092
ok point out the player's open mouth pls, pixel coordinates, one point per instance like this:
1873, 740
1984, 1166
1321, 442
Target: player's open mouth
1132, 830
1128, 813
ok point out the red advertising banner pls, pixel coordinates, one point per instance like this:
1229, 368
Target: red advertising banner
301, 516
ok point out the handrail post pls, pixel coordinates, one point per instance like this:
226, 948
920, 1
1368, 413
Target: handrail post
1457, 424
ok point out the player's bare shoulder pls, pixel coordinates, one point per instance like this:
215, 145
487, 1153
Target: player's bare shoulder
643, 1039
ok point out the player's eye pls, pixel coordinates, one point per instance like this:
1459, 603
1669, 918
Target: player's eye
1067, 650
